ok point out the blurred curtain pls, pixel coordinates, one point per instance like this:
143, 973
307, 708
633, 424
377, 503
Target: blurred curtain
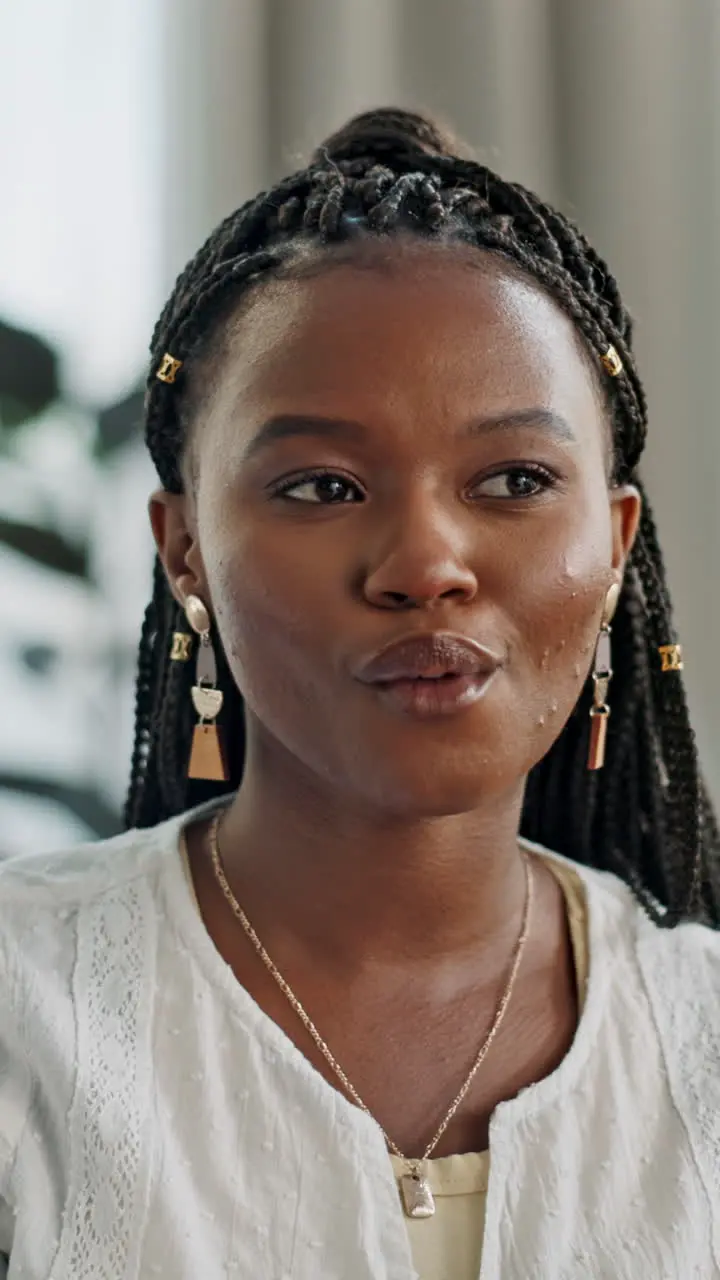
611, 110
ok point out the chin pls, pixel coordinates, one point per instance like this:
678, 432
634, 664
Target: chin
435, 793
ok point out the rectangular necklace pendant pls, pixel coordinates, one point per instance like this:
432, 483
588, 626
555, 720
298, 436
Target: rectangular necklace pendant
416, 1195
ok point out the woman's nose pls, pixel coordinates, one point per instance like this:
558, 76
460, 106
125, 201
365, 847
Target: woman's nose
423, 561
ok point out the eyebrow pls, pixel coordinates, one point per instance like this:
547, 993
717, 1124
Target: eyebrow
286, 426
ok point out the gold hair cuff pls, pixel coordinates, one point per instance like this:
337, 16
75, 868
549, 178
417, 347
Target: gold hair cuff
181, 643
169, 368
612, 363
671, 655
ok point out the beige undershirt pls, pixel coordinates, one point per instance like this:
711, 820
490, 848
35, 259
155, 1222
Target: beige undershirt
448, 1246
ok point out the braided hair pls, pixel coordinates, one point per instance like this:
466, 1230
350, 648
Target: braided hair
646, 816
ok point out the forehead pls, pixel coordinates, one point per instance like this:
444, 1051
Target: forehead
423, 331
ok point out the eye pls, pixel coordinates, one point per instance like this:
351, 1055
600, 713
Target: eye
318, 488
516, 482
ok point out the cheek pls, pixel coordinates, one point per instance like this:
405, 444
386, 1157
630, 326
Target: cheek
556, 627
263, 613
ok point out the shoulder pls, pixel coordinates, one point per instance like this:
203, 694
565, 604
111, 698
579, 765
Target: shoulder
681, 971
71, 877
58, 909
55, 908
48, 903
15, 1068
674, 975
676, 970
617, 911
679, 968
72, 924
613, 909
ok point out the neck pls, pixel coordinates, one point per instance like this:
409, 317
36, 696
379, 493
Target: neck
362, 884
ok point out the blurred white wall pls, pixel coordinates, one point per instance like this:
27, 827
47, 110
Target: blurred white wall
126, 133
82, 181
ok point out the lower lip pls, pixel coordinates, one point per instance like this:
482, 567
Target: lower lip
443, 697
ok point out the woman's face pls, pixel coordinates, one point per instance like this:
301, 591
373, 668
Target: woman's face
463, 457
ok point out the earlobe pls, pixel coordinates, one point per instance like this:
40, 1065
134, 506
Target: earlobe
176, 543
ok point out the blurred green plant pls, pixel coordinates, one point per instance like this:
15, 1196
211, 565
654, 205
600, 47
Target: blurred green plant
28, 376
119, 425
29, 386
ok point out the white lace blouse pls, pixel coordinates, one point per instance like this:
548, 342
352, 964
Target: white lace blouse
155, 1122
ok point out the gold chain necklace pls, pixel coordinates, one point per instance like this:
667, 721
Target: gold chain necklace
417, 1197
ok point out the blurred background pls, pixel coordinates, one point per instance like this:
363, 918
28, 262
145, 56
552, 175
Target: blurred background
127, 131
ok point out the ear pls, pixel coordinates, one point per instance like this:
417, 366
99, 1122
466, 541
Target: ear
174, 529
625, 510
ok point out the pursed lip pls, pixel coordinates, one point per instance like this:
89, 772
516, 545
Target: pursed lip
428, 656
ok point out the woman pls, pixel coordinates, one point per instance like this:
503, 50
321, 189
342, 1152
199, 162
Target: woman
331, 1008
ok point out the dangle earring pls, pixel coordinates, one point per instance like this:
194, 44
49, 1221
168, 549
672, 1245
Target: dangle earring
602, 675
207, 760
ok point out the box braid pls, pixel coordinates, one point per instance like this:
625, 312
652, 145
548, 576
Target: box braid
646, 816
